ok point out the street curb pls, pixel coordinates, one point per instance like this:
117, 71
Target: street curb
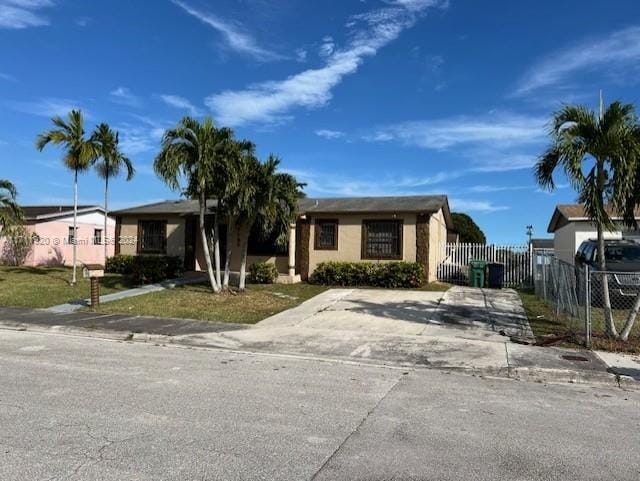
527, 374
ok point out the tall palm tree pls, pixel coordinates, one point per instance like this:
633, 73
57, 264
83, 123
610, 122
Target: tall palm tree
271, 206
599, 155
188, 152
108, 165
10, 211
78, 156
238, 200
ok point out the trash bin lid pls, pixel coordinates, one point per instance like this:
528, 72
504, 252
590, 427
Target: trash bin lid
478, 264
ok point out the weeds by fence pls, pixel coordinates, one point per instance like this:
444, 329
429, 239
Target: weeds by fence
577, 297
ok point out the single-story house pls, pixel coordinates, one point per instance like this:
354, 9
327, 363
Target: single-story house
542, 243
570, 226
51, 228
376, 229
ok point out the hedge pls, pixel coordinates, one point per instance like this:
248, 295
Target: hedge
263, 273
391, 274
146, 269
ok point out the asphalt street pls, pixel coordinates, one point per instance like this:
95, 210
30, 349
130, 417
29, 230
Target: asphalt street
76, 408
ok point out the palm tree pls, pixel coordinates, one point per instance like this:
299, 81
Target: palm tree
10, 212
271, 206
78, 156
599, 156
238, 201
108, 165
188, 152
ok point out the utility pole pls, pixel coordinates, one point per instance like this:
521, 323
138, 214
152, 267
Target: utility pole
529, 232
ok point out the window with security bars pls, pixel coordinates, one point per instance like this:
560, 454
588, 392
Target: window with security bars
326, 234
97, 236
382, 239
152, 236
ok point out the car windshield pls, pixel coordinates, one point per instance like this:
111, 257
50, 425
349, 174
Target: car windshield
623, 253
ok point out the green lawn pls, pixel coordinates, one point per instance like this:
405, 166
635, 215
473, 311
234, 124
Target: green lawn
543, 324
196, 301
49, 285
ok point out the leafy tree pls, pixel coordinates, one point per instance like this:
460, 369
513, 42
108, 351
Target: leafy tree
188, 151
10, 212
17, 246
599, 156
467, 229
267, 200
109, 164
79, 153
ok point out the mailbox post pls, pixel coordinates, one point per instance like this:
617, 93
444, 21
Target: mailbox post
94, 272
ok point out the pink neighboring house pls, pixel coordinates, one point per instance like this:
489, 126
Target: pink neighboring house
53, 229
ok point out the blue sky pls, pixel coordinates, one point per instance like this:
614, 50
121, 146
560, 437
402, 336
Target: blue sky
372, 97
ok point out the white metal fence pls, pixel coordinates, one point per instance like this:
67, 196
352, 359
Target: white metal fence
516, 260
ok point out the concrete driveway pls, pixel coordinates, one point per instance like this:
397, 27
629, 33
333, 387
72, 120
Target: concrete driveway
463, 328
461, 312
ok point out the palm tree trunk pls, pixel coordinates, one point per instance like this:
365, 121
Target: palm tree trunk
75, 225
631, 320
608, 313
205, 243
216, 246
106, 214
227, 260
243, 260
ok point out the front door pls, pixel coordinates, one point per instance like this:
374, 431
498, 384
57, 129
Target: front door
190, 236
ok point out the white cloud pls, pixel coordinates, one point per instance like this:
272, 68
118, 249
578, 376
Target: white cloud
234, 36
7, 77
329, 134
503, 162
17, 14
181, 103
327, 47
143, 136
301, 55
486, 189
124, 96
620, 49
48, 107
270, 102
503, 129
483, 206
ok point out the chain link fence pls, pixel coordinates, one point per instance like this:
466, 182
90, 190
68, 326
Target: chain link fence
578, 297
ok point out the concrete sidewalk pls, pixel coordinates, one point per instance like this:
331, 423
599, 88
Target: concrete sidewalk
136, 291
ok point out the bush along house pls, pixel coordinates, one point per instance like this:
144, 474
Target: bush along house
372, 229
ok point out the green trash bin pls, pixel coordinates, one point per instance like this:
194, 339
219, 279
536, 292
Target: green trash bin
477, 273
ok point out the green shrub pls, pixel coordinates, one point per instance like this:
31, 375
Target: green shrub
148, 269
390, 274
262, 273
120, 264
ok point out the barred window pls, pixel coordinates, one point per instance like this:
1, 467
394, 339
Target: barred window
382, 239
326, 237
71, 238
152, 236
97, 236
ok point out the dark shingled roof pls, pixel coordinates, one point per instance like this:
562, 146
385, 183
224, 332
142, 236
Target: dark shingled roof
416, 203
411, 204
33, 212
542, 243
565, 213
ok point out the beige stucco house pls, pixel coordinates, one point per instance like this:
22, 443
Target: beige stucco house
376, 229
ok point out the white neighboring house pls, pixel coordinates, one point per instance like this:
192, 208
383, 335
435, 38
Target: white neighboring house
570, 227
